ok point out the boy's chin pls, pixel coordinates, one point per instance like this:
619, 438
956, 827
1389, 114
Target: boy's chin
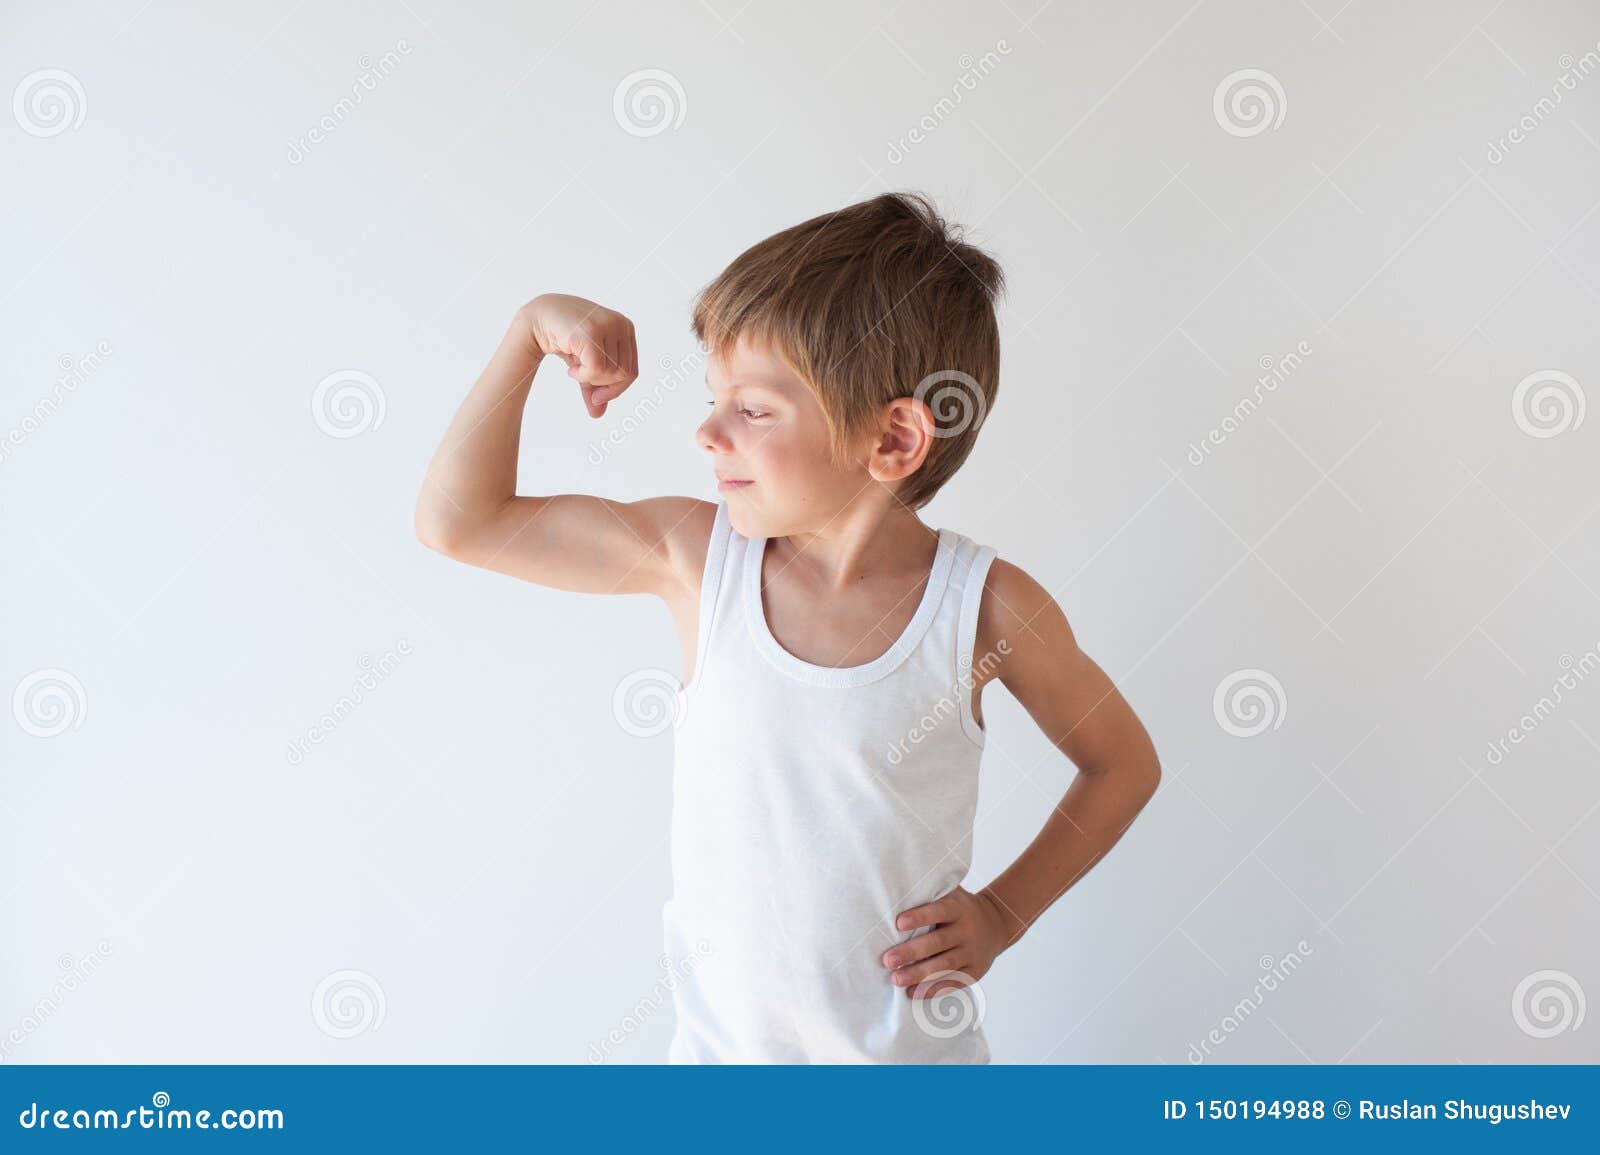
748, 522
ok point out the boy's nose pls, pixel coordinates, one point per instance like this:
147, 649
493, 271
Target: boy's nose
710, 438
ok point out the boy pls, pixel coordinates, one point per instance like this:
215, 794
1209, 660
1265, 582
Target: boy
828, 732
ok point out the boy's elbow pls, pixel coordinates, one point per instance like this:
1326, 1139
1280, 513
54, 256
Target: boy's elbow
1147, 771
438, 532
1152, 775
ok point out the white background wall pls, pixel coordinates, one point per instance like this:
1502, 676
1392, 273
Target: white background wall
480, 838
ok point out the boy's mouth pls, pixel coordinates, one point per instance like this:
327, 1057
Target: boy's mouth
726, 483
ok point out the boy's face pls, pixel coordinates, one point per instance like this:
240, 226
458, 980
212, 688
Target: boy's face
767, 429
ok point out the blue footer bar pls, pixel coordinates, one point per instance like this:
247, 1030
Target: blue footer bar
307, 1108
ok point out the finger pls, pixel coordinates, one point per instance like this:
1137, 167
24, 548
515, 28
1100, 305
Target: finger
919, 947
584, 368
623, 358
581, 375
935, 975
919, 972
595, 406
926, 970
600, 368
933, 990
928, 914
617, 378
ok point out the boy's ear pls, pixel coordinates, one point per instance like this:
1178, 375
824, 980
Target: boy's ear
903, 440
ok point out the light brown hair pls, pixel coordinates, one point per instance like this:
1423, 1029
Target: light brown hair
879, 300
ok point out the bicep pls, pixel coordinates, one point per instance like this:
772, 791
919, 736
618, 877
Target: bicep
589, 544
1073, 701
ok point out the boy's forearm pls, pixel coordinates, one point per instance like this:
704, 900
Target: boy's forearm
474, 471
1090, 819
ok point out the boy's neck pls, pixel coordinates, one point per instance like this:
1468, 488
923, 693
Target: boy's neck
859, 544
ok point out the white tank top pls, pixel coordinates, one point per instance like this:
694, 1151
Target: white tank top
810, 806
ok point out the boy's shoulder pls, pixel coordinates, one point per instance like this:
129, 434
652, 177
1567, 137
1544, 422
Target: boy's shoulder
683, 527
1015, 616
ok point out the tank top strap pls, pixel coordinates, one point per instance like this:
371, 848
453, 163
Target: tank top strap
959, 622
716, 586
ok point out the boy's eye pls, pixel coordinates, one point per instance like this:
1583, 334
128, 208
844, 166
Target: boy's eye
754, 414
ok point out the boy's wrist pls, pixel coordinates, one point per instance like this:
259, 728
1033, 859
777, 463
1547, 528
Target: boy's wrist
1012, 925
525, 323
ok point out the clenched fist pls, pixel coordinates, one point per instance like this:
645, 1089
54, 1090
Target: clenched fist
597, 344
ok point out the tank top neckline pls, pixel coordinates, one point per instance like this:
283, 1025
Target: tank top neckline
884, 663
